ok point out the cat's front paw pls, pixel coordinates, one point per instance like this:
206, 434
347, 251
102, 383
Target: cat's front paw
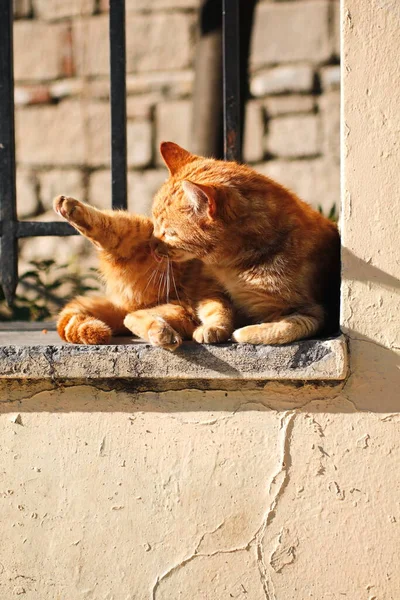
162, 334
210, 334
72, 210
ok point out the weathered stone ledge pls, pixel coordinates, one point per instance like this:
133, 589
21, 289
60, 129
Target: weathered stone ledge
40, 354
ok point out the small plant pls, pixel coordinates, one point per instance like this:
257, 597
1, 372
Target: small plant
44, 289
332, 215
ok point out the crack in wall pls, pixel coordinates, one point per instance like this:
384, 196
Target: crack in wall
193, 555
280, 482
278, 485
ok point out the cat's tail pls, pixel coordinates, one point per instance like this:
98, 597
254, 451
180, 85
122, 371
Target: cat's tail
288, 329
90, 321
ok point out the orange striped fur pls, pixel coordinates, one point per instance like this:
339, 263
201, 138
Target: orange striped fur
149, 295
277, 258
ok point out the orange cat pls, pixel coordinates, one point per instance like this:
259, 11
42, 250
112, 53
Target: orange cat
154, 298
278, 259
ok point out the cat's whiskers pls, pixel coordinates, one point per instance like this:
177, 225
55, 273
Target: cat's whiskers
173, 281
168, 278
150, 267
152, 278
165, 283
161, 282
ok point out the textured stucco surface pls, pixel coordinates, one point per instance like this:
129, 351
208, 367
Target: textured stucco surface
279, 492
271, 492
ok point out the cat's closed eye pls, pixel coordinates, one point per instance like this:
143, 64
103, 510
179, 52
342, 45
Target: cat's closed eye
170, 233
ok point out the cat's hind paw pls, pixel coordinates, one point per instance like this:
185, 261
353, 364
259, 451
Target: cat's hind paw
205, 334
80, 329
94, 331
264, 333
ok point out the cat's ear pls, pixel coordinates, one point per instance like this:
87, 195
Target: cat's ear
174, 156
201, 197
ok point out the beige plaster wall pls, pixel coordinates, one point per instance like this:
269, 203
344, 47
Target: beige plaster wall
371, 208
282, 493
278, 493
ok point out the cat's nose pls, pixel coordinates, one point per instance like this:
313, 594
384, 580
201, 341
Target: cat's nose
159, 248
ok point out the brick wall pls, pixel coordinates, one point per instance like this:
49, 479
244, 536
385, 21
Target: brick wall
62, 92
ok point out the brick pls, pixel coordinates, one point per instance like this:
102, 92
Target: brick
172, 84
288, 31
99, 189
32, 94
146, 47
282, 79
67, 88
138, 5
142, 186
22, 8
139, 142
99, 89
253, 145
51, 135
161, 4
98, 138
91, 47
39, 50
57, 9
71, 250
329, 105
330, 77
146, 89
293, 136
27, 200
287, 105
67, 181
141, 107
173, 123
315, 181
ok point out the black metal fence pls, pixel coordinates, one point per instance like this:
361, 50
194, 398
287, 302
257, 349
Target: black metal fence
10, 228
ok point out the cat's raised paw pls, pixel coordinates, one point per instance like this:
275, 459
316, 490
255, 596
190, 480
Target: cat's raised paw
70, 209
163, 335
210, 335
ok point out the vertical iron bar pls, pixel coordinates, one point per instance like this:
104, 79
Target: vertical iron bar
8, 208
118, 104
231, 79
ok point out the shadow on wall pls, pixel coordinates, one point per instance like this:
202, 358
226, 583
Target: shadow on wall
374, 381
356, 268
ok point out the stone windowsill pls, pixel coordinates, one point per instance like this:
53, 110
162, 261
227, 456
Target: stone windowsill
28, 351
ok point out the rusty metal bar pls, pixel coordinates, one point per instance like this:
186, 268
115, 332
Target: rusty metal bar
231, 79
118, 104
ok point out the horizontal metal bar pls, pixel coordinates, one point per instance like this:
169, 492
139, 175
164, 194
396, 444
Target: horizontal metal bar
40, 228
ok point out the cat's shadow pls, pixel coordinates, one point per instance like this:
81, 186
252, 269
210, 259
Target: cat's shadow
203, 356
199, 354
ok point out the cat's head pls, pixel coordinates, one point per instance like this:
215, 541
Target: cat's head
196, 204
